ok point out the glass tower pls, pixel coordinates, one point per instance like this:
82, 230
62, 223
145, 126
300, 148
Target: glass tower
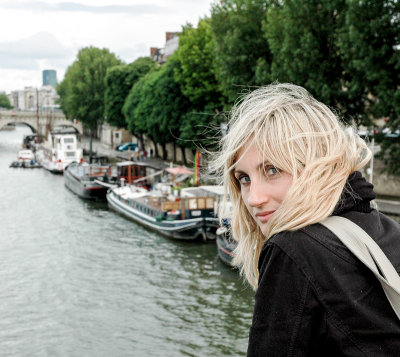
50, 77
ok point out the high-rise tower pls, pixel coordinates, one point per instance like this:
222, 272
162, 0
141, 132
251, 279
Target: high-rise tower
50, 77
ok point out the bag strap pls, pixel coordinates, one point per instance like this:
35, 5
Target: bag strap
365, 248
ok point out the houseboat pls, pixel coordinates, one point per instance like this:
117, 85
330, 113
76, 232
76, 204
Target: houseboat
183, 217
92, 181
59, 150
81, 179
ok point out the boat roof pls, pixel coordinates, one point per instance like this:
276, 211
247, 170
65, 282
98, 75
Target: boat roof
125, 163
204, 190
136, 163
179, 170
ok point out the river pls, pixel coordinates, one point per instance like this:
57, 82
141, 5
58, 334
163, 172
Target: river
77, 279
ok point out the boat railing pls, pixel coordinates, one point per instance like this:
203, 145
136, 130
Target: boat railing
100, 170
94, 171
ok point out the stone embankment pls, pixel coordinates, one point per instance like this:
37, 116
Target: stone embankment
387, 188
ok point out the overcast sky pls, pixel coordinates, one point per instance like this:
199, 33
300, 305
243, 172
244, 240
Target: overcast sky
38, 35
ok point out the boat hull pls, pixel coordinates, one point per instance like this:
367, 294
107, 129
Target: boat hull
53, 167
187, 229
225, 247
85, 189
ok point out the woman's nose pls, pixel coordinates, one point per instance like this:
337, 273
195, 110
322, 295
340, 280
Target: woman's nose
258, 193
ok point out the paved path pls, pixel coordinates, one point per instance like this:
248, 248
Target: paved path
104, 150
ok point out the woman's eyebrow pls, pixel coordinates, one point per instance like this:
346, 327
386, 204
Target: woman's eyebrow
263, 164
236, 171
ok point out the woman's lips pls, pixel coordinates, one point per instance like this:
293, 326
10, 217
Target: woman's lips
264, 216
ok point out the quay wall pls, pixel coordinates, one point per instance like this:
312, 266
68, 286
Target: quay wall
384, 184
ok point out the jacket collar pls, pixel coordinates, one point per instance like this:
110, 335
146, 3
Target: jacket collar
356, 196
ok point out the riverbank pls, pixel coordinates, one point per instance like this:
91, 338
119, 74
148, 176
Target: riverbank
101, 149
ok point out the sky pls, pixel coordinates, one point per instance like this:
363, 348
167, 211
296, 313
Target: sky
38, 35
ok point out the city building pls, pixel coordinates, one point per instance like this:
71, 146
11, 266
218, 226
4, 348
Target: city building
49, 77
30, 98
160, 55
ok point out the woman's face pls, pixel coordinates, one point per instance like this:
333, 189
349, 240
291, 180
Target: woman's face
263, 186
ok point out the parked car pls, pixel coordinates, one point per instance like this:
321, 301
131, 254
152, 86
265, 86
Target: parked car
391, 134
127, 146
388, 135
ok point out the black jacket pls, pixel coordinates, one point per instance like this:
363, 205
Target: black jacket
315, 298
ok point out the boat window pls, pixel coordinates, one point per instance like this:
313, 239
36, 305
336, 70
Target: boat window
201, 203
192, 203
68, 140
210, 203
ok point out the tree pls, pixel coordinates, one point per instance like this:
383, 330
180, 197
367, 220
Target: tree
119, 81
82, 90
4, 101
241, 52
156, 105
369, 43
136, 108
302, 36
196, 70
370, 46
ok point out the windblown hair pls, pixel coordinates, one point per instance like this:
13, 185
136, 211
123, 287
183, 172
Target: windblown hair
301, 137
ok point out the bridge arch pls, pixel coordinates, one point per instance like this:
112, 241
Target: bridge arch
38, 121
5, 124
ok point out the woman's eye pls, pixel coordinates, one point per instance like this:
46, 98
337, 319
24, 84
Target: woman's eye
272, 171
243, 179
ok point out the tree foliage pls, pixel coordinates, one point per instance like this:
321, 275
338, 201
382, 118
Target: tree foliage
156, 104
369, 43
197, 78
82, 90
242, 54
302, 36
4, 101
196, 72
119, 81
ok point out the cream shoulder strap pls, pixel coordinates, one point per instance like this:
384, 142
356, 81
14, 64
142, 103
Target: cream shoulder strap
364, 248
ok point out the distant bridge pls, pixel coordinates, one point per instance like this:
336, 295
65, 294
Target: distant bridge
38, 122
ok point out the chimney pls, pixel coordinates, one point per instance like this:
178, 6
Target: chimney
168, 35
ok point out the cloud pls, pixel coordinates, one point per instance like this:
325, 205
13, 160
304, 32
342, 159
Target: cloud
129, 54
139, 9
39, 46
25, 53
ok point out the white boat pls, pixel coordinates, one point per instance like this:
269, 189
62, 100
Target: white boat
26, 159
26, 155
59, 150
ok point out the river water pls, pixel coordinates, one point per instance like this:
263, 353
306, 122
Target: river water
76, 279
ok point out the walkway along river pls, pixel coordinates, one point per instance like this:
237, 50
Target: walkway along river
76, 279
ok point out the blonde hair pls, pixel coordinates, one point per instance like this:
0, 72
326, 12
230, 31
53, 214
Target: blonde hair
300, 136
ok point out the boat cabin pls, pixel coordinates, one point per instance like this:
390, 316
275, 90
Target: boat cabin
132, 171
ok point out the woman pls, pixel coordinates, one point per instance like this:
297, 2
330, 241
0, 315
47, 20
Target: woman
287, 164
